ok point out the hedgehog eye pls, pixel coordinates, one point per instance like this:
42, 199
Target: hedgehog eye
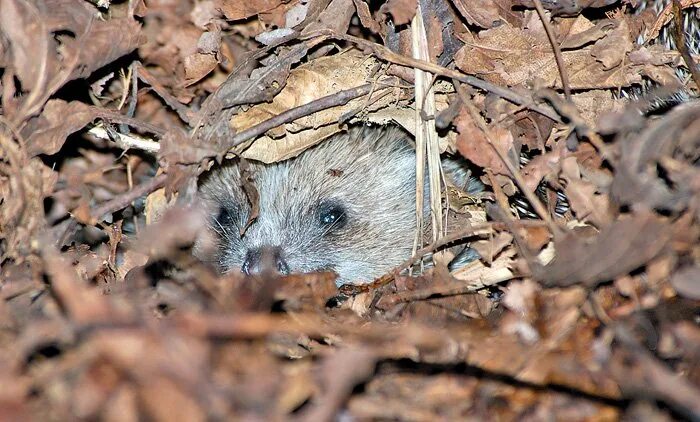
226, 215
332, 214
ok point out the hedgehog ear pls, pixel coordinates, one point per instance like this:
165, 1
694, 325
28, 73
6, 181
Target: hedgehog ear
459, 172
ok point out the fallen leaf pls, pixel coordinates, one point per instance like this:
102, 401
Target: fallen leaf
625, 245
402, 10
686, 281
237, 9
475, 146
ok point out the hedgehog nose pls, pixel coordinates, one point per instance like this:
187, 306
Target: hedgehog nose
265, 259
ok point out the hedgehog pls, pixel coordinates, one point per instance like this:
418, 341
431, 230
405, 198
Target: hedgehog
346, 205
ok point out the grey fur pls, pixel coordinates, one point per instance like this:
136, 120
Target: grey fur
370, 171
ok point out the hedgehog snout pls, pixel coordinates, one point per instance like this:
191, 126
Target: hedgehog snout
264, 259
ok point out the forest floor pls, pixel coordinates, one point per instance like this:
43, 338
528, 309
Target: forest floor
584, 304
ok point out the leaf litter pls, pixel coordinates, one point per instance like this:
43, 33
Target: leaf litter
110, 112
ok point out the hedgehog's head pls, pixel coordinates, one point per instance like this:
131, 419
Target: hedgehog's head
346, 205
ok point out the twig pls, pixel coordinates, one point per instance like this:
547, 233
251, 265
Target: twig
212, 105
333, 100
388, 55
427, 150
345, 117
182, 111
515, 173
555, 47
681, 45
665, 17
130, 141
440, 291
114, 117
473, 230
123, 200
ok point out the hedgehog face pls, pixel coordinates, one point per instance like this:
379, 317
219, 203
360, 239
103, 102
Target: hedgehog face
346, 205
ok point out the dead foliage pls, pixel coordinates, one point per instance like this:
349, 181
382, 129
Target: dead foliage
110, 112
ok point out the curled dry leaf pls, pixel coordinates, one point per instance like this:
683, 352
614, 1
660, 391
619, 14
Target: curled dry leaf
480, 275
244, 86
335, 17
309, 82
585, 198
205, 59
365, 16
28, 36
625, 245
567, 7
58, 120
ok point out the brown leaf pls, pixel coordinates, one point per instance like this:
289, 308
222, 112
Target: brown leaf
28, 38
198, 66
488, 13
177, 148
567, 7
489, 249
402, 10
342, 371
434, 36
686, 281
584, 197
336, 17
365, 16
82, 304
100, 42
67, 42
311, 81
164, 400
251, 87
510, 56
627, 244
612, 49
536, 237
58, 120
538, 168
637, 179
474, 145
241, 9
583, 32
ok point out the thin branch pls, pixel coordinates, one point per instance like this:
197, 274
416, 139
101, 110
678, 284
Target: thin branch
515, 173
122, 201
333, 100
115, 117
388, 55
681, 46
323, 103
555, 47
182, 110
130, 141
473, 230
